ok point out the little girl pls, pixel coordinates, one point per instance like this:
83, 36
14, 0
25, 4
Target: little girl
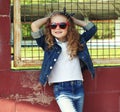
65, 57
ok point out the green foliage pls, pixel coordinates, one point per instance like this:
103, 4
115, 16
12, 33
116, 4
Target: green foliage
26, 31
106, 30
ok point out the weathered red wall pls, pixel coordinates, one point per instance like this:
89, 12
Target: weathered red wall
20, 90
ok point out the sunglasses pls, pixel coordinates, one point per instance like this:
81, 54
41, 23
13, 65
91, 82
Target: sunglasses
61, 25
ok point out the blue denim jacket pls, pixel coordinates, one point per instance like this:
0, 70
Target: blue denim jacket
51, 55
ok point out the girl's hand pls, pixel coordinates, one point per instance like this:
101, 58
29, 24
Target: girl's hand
79, 22
38, 23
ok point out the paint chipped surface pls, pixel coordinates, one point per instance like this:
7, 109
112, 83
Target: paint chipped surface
39, 98
34, 92
4, 15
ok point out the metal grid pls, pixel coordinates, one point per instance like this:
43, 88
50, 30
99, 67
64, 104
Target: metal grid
104, 47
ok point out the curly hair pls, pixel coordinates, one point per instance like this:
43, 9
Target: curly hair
72, 37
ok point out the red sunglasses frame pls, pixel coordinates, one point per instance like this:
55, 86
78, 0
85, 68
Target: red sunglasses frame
59, 24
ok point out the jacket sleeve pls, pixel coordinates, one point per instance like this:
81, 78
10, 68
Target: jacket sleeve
39, 37
90, 30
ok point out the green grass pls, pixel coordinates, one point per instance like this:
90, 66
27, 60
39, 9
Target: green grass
35, 53
108, 53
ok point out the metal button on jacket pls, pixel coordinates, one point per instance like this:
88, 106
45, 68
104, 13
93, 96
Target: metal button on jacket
51, 67
55, 59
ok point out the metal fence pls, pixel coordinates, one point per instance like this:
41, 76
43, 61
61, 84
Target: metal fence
104, 47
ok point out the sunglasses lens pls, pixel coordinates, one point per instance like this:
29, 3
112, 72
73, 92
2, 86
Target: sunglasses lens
53, 26
62, 25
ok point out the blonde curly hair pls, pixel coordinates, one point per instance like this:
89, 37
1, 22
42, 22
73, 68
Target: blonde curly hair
72, 37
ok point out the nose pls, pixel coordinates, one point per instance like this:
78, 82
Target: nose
58, 27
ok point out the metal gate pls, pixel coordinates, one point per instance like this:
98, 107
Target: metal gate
104, 47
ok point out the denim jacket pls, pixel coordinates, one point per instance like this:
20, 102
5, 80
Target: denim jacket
51, 55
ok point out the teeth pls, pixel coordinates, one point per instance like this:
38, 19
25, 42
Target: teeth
58, 32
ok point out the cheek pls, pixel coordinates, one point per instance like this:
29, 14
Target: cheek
52, 31
65, 32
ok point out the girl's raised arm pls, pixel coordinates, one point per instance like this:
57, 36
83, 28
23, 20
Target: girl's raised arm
38, 23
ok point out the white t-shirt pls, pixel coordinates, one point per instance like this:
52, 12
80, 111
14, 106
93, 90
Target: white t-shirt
65, 69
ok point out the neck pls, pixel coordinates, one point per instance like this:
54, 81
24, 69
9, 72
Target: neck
62, 39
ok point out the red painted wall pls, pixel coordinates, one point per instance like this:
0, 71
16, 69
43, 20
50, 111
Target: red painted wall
20, 90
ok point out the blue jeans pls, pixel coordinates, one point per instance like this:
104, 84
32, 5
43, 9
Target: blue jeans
69, 96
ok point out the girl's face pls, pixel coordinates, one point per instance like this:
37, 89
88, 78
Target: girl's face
59, 27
